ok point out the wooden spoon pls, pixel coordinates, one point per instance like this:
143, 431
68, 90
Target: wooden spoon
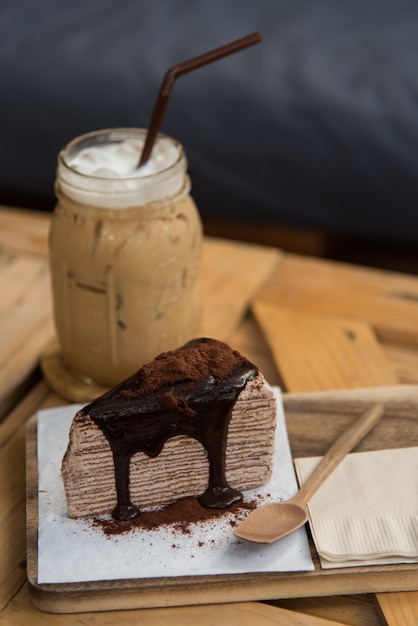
274, 521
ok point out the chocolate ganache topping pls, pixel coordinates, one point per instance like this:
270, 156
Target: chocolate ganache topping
190, 391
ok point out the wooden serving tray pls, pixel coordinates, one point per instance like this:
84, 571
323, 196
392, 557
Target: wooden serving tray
314, 420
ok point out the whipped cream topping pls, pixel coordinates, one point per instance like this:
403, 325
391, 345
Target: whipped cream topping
120, 160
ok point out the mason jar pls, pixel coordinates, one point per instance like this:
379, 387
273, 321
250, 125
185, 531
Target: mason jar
124, 254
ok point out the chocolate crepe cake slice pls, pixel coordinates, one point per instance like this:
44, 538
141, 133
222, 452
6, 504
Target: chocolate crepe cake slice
197, 421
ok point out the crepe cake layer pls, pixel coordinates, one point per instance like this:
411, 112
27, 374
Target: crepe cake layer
181, 468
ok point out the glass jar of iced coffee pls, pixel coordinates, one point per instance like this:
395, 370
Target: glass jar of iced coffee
124, 254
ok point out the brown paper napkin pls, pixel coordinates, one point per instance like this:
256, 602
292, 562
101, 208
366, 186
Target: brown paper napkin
366, 512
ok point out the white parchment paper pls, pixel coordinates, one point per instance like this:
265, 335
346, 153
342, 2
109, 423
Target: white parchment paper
75, 551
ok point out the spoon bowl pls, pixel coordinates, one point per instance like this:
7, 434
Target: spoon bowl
274, 521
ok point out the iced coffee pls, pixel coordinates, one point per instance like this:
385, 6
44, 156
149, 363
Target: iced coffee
124, 253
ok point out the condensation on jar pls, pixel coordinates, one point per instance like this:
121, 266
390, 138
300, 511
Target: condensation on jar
125, 260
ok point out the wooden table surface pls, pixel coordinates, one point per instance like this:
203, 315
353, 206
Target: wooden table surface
309, 324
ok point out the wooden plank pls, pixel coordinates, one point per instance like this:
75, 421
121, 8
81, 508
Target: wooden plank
250, 341
24, 231
231, 275
18, 372
37, 397
240, 614
25, 307
387, 300
356, 610
26, 322
403, 360
314, 352
399, 609
18, 272
21, 316
314, 420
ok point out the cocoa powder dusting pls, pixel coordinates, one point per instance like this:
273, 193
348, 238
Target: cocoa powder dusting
180, 515
195, 362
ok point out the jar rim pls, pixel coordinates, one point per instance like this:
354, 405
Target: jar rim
119, 191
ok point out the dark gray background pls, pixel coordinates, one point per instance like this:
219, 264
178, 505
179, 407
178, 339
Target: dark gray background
317, 126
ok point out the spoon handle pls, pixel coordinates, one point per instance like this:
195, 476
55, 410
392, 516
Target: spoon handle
339, 449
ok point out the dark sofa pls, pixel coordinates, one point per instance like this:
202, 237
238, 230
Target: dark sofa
315, 127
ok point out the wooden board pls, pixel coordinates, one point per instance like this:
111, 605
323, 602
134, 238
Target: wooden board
314, 420
315, 352
387, 300
26, 325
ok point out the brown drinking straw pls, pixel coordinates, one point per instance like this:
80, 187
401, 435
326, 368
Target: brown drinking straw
178, 70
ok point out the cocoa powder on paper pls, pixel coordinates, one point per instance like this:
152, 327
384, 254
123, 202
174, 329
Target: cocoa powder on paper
180, 515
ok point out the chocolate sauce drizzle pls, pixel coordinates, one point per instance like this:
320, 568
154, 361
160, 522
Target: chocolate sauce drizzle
190, 391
